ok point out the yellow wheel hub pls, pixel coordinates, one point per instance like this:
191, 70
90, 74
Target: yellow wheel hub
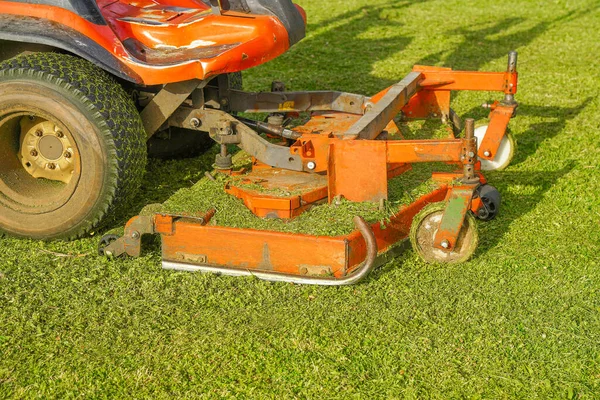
46, 151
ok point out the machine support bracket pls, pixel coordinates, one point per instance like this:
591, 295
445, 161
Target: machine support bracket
458, 204
166, 102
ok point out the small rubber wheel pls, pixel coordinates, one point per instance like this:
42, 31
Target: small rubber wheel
105, 242
504, 155
72, 146
424, 228
490, 199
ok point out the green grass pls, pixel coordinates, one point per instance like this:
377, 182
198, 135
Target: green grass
520, 320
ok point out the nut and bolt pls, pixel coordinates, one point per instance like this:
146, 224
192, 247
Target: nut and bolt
445, 244
33, 153
59, 134
487, 153
195, 122
51, 166
311, 165
39, 133
135, 234
67, 155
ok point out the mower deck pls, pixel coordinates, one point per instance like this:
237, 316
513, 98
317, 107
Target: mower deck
348, 150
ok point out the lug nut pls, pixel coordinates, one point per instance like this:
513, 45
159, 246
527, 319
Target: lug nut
51, 166
487, 153
445, 244
33, 153
39, 133
59, 134
67, 155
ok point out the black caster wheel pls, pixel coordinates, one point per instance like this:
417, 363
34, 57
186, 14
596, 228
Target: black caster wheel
490, 202
105, 242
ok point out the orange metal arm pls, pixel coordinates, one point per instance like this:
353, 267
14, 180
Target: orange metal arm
463, 80
414, 151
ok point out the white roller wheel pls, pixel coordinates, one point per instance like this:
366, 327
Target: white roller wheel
505, 152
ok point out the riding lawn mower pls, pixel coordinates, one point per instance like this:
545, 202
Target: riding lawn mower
87, 87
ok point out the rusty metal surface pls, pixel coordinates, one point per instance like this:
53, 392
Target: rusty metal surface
458, 202
381, 113
295, 101
273, 192
164, 104
131, 241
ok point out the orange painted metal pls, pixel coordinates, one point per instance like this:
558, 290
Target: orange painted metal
254, 40
295, 191
257, 250
357, 170
435, 79
499, 118
431, 150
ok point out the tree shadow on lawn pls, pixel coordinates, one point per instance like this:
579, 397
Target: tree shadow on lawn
485, 44
340, 46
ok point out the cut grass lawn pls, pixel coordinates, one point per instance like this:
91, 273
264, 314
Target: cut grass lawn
522, 319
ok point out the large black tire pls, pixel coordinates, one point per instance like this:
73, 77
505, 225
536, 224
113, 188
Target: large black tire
91, 125
181, 142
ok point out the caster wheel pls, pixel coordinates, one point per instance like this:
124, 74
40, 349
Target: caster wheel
505, 154
105, 242
490, 199
424, 228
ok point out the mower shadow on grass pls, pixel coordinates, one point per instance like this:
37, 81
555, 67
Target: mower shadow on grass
521, 192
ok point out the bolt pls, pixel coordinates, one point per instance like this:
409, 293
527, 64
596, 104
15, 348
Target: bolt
487, 153
67, 155
471, 154
39, 133
445, 244
135, 234
195, 122
59, 134
33, 153
51, 166
311, 165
